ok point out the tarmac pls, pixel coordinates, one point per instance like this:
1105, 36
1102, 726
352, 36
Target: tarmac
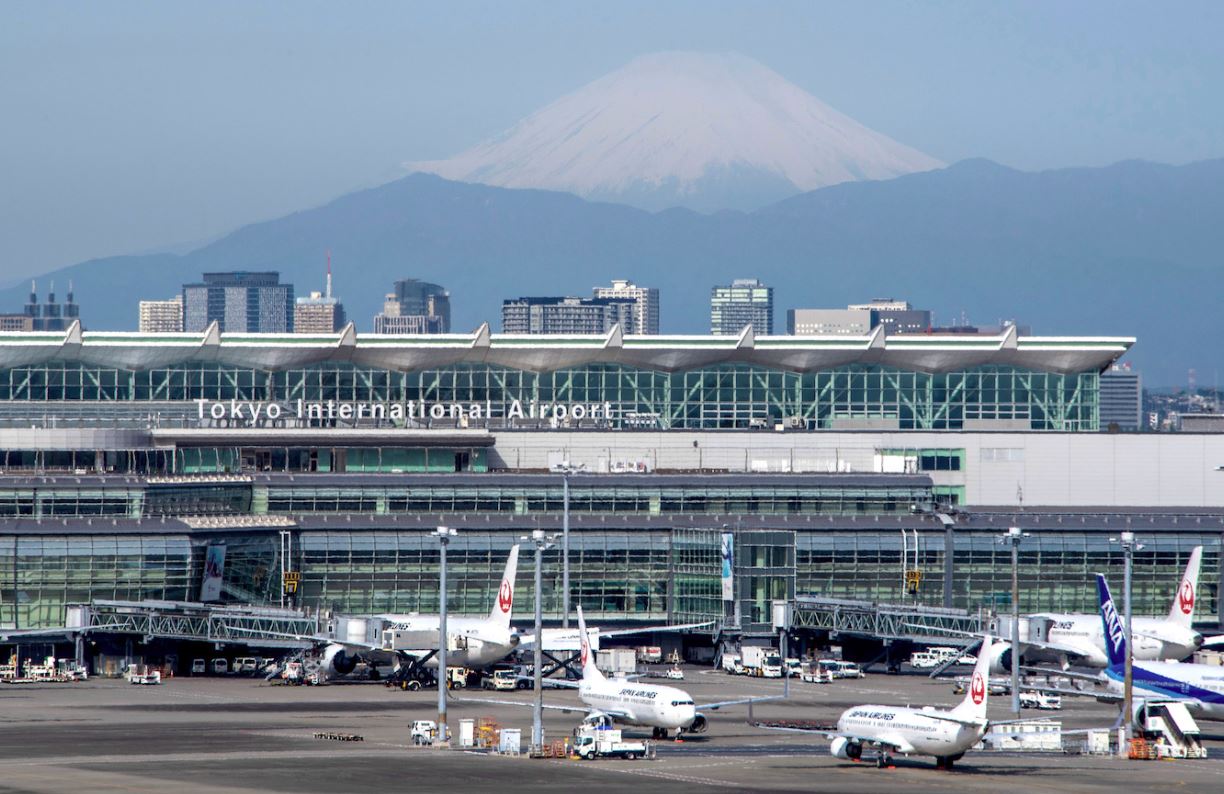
246, 735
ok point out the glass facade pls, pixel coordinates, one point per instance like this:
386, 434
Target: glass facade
717, 396
1055, 569
629, 574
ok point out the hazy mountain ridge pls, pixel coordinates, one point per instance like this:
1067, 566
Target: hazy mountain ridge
1085, 251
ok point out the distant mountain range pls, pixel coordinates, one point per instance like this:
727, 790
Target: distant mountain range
705, 131
1130, 249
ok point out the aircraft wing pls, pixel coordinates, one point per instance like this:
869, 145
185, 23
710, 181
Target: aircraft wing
719, 704
1045, 646
614, 714
1215, 639
947, 717
18, 633
318, 639
894, 743
528, 639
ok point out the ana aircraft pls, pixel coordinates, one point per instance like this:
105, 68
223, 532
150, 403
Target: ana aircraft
1076, 638
943, 733
1199, 686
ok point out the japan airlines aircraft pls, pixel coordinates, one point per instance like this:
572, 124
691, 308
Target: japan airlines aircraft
943, 733
1199, 686
411, 641
1077, 638
666, 710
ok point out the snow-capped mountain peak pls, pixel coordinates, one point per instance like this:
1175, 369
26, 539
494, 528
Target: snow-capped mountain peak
707, 131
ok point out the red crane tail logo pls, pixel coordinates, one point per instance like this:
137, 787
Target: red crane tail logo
977, 690
1185, 597
505, 596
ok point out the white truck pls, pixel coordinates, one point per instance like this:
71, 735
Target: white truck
423, 732
616, 660
649, 654
762, 662
732, 663
143, 674
501, 679
604, 743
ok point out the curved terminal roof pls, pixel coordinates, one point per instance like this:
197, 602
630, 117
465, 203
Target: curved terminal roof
919, 352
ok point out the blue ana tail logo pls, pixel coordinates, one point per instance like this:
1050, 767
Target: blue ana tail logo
1115, 634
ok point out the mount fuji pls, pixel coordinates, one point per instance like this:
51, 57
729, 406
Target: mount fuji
696, 130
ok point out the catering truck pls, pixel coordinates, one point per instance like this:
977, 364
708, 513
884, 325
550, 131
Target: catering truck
761, 662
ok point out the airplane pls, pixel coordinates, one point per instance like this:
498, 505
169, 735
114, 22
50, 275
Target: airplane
1199, 686
943, 733
410, 642
666, 710
1077, 638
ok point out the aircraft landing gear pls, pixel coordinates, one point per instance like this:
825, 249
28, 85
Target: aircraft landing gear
883, 760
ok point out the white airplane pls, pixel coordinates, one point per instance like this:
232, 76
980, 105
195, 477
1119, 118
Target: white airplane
1077, 638
1199, 686
666, 710
410, 642
943, 733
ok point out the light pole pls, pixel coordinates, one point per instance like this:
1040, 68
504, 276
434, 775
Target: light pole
1013, 538
565, 590
537, 711
1129, 546
444, 535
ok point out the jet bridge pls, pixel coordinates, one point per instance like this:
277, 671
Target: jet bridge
918, 624
183, 620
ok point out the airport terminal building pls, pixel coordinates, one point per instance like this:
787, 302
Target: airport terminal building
833, 466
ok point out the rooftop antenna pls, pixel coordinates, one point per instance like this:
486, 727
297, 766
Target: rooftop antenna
328, 273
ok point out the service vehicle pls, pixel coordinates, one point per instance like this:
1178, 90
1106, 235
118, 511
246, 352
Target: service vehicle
246, 665
143, 674
840, 669
1046, 701
762, 662
649, 654
199, 667
813, 673
220, 666
674, 673
732, 663
792, 667
423, 732
501, 679
926, 660
608, 743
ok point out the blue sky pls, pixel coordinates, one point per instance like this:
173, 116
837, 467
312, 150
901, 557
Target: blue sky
128, 126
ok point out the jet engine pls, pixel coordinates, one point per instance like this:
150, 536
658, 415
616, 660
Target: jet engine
1000, 658
699, 725
337, 662
841, 747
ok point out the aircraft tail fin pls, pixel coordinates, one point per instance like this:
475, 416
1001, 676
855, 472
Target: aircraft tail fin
503, 606
589, 671
1115, 633
1181, 612
973, 707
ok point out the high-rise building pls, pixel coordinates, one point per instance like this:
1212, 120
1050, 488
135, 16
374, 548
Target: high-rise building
162, 317
646, 304
897, 317
239, 302
746, 302
16, 322
827, 322
566, 315
415, 307
1121, 398
51, 316
320, 313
